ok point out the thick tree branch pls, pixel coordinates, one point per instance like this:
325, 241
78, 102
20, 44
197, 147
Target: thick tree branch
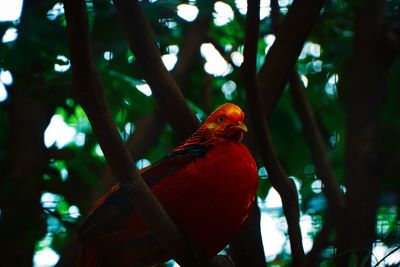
164, 88
90, 94
280, 60
25, 156
277, 176
148, 131
275, 16
364, 100
247, 249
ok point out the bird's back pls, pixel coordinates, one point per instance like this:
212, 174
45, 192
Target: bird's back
212, 207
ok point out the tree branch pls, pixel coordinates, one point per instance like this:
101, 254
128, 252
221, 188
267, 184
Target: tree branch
278, 178
364, 100
148, 131
318, 152
316, 144
164, 88
90, 93
323, 167
280, 60
247, 249
275, 16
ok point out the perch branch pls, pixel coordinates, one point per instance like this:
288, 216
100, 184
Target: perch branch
90, 94
149, 128
247, 250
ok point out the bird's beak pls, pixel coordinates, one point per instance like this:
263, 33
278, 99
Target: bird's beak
241, 126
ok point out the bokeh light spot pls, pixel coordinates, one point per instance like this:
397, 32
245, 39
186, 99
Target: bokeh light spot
215, 63
169, 61
3, 92
58, 132
6, 77
10, 10
187, 12
10, 35
46, 257
62, 67
142, 163
144, 88
223, 13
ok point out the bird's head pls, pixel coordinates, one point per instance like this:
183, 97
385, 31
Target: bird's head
226, 122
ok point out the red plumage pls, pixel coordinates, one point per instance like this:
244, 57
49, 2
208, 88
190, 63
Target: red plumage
207, 185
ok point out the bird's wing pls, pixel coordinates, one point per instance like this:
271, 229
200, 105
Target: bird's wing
113, 210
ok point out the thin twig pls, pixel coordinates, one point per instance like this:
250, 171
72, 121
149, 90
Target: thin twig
317, 146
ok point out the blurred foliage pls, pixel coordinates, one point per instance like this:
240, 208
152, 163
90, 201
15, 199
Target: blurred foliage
73, 169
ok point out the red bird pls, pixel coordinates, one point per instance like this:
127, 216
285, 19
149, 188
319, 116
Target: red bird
207, 185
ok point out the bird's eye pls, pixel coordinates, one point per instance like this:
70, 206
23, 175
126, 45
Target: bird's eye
220, 119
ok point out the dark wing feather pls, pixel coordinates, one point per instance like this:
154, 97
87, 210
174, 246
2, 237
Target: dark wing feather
115, 209
173, 162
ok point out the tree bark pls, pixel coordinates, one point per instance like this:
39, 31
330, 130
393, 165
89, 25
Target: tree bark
276, 174
318, 152
282, 56
247, 249
21, 220
364, 99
